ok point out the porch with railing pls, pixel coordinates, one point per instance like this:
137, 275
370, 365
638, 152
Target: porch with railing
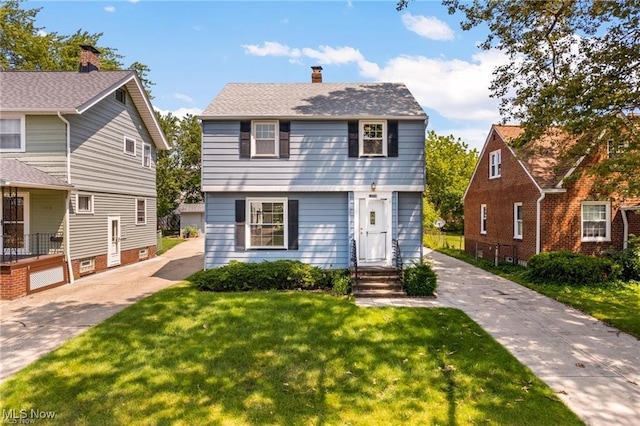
16, 246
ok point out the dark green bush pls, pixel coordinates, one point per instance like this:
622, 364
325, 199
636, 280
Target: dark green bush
419, 280
566, 267
628, 259
277, 275
341, 285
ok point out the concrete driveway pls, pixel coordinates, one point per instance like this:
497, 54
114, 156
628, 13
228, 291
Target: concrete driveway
594, 368
35, 325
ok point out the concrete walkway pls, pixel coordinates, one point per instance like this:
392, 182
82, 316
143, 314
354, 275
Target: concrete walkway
594, 368
34, 325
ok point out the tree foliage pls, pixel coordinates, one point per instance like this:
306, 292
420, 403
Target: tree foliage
449, 165
178, 170
573, 64
26, 46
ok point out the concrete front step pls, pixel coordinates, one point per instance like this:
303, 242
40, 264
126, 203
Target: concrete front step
379, 293
376, 278
377, 286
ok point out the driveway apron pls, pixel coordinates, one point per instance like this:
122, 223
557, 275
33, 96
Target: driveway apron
34, 325
594, 368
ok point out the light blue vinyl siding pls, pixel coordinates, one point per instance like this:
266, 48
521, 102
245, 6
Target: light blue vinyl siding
410, 225
323, 235
318, 157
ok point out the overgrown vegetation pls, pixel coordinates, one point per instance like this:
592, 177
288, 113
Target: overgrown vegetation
614, 303
571, 268
183, 356
436, 239
276, 275
419, 280
628, 259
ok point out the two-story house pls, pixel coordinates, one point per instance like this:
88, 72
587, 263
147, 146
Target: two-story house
526, 200
77, 174
312, 171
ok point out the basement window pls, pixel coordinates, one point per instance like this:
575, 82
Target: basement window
87, 265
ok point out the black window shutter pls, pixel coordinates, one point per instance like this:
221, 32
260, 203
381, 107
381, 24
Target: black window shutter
245, 139
392, 139
293, 224
353, 139
284, 139
240, 228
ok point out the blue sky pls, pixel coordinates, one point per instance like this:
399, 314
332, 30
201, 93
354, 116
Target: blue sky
194, 48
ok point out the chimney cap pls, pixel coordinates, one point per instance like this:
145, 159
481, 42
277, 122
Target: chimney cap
90, 48
316, 68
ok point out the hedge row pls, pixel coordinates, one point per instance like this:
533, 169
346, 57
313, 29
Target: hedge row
572, 268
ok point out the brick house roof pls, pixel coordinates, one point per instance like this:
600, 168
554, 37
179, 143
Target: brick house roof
541, 157
282, 100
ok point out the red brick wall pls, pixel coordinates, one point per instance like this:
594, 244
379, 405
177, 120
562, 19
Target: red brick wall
500, 194
13, 282
126, 257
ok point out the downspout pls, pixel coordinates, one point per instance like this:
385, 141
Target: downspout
538, 221
625, 229
67, 227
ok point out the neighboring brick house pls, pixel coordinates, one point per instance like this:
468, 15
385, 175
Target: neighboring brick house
77, 174
520, 202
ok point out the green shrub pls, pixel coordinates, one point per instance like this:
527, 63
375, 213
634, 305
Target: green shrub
419, 280
277, 275
190, 231
571, 268
628, 259
342, 285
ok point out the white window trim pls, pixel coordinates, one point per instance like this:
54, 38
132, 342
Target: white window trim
607, 237
124, 145
91, 199
498, 169
285, 209
361, 124
516, 235
483, 219
145, 211
276, 150
619, 149
23, 132
89, 267
145, 145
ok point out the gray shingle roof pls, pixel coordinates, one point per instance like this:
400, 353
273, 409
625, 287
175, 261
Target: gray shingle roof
56, 90
70, 92
16, 173
279, 100
191, 208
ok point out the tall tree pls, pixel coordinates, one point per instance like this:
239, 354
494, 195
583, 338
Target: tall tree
188, 151
449, 165
574, 64
168, 176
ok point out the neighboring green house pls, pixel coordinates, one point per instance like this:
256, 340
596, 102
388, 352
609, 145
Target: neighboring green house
77, 174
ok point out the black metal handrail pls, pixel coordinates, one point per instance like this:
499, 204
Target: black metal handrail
23, 246
397, 258
354, 259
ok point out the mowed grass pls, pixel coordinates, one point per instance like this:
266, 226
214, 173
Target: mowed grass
615, 303
170, 242
285, 358
437, 240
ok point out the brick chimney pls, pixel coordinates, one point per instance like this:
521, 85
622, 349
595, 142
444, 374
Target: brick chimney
316, 75
89, 59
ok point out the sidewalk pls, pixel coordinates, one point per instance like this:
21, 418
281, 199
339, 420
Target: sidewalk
34, 325
594, 368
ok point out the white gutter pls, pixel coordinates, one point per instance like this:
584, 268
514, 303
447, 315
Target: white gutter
538, 221
625, 225
67, 227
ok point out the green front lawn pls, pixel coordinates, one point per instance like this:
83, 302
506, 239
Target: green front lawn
185, 357
170, 242
616, 303
436, 240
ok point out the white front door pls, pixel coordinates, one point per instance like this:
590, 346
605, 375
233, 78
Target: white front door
113, 242
374, 230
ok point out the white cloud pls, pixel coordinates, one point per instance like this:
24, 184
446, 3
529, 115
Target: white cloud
428, 27
134, 1
183, 97
110, 9
271, 48
284, 21
349, 4
197, 27
180, 112
41, 33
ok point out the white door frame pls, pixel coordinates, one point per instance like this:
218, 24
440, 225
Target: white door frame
113, 241
386, 196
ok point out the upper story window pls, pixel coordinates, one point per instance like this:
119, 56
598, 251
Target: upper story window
267, 223
617, 148
121, 96
517, 220
495, 164
373, 138
84, 203
129, 146
483, 218
596, 221
146, 155
264, 139
141, 211
12, 134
